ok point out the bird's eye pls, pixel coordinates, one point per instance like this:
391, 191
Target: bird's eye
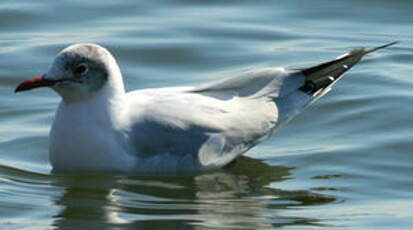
81, 69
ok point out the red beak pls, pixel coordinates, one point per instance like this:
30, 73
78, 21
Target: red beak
35, 82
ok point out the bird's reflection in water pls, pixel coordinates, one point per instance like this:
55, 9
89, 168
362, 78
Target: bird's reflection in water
237, 197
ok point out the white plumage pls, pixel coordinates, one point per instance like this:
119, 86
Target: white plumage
99, 127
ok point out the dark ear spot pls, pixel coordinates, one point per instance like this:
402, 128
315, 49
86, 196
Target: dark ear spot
98, 76
96, 81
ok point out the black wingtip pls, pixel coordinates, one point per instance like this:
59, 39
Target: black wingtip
383, 46
325, 74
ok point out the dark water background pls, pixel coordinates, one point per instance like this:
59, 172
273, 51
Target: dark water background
346, 163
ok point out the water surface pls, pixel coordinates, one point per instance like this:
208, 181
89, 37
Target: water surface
346, 163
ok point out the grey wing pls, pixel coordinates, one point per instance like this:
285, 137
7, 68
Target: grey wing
213, 125
216, 122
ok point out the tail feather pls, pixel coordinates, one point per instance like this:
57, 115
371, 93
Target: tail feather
319, 78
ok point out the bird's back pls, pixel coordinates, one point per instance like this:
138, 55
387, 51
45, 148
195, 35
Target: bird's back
209, 125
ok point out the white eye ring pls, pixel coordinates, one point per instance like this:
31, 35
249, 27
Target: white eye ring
81, 69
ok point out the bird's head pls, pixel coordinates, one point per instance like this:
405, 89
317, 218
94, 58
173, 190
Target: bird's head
78, 73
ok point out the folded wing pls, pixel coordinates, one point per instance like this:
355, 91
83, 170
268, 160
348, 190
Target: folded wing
210, 125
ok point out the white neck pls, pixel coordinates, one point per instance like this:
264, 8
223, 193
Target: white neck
88, 135
105, 105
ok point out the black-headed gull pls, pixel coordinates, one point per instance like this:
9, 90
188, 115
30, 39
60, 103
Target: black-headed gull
100, 127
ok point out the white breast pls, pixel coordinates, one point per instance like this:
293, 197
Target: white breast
83, 139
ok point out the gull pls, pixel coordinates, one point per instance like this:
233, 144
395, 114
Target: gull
98, 127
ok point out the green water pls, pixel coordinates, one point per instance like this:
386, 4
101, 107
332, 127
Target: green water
346, 163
